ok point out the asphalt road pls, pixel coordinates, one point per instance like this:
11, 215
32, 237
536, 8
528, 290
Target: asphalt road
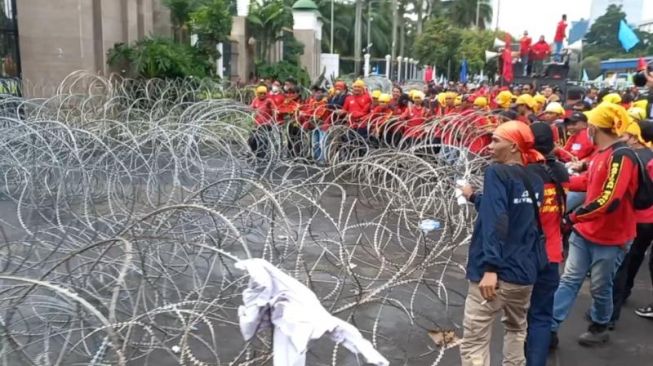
631, 343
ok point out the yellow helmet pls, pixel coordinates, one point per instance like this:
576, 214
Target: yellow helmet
526, 99
613, 98
418, 95
358, 83
504, 98
261, 89
480, 102
376, 94
385, 98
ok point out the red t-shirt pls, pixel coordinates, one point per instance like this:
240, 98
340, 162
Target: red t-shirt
540, 51
264, 111
414, 117
607, 216
551, 207
560, 31
525, 46
578, 145
358, 106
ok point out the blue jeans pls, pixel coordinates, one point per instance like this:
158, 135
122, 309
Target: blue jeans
318, 139
540, 315
575, 200
524, 61
602, 261
558, 49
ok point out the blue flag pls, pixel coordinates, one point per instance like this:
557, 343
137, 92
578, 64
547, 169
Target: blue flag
586, 77
463, 71
627, 37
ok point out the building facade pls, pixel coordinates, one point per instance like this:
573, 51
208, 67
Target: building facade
56, 38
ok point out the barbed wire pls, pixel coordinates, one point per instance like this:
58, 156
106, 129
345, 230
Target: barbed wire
126, 204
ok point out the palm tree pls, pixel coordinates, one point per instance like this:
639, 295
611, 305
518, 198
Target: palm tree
463, 12
180, 15
267, 21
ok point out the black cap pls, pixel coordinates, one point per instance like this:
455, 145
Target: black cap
576, 117
543, 137
647, 129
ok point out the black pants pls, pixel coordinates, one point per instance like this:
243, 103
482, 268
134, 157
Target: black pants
294, 140
260, 141
625, 277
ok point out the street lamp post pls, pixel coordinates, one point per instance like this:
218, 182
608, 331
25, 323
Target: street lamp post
369, 23
332, 26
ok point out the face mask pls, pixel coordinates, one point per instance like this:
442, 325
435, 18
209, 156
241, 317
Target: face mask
275, 88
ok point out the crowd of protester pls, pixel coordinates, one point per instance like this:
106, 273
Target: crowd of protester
564, 193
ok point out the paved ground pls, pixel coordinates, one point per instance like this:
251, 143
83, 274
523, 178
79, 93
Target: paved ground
631, 342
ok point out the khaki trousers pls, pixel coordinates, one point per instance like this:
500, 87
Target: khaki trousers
514, 301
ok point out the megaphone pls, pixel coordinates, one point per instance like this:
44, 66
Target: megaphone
490, 55
499, 43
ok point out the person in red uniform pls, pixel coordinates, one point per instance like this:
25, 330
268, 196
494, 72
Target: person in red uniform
263, 106
358, 106
579, 147
524, 51
553, 116
313, 111
288, 112
561, 34
602, 227
259, 140
625, 277
414, 118
524, 107
540, 313
379, 117
539, 52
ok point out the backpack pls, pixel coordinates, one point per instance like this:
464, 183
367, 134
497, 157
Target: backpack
644, 196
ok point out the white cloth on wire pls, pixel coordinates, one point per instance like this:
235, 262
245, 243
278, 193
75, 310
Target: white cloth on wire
274, 299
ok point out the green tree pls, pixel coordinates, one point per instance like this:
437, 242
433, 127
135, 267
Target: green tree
602, 40
473, 44
211, 21
267, 19
592, 65
438, 45
158, 58
462, 13
180, 16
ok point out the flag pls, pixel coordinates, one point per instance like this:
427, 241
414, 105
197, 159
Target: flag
627, 37
641, 64
507, 61
599, 79
586, 77
463, 72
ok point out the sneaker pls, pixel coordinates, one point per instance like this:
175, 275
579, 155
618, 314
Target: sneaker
596, 335
553, 343
645, 312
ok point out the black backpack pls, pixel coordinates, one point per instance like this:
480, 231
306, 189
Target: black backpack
644, 159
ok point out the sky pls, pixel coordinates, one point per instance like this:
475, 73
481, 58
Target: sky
538, 17
541, 17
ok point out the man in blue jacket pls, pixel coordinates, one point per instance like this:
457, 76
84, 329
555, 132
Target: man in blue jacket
507, 247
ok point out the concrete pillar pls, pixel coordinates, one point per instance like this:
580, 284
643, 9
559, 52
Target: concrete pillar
307, 29
387, 66
366, 66
399, 69
240, 65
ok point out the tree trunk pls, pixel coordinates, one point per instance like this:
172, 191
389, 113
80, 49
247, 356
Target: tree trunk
420, 16
357, 36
